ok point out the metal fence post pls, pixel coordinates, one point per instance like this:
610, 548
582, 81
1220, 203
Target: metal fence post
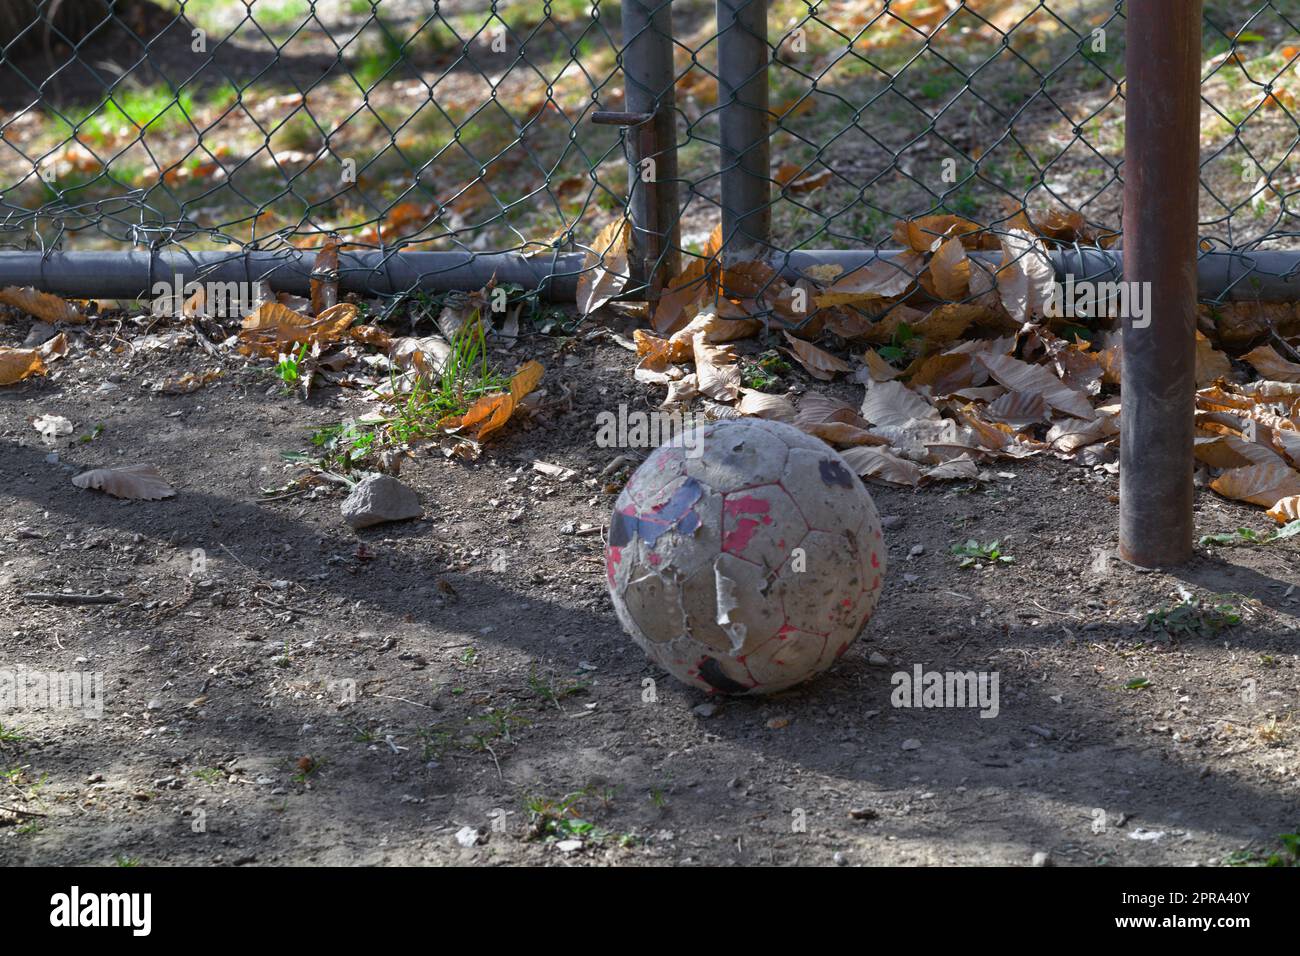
744, 129
1161, 175
652, 174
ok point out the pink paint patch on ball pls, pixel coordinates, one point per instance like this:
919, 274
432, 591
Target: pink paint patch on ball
761, 539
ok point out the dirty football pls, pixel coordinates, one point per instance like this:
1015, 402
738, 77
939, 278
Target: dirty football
744, 557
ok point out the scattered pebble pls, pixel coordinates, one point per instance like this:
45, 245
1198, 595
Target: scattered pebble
470, 836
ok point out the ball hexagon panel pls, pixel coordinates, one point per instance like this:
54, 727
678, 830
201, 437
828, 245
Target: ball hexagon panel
654, 603
830, 495
822, 598
664, 465
736, 453
785, 660
761, 524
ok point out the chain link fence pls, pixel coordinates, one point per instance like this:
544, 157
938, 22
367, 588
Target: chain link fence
448, 142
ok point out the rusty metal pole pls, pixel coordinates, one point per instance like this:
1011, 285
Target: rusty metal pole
1161, 175
743, 132
652, 170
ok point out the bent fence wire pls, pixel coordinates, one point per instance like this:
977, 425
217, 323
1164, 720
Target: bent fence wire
505, 135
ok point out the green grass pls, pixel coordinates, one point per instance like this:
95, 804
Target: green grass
151, 110
1193, 618
551, 691
466, 375
289, 368
1287, 855
765, 374
8, 735
1248, 536
282, 14
551, 818
380, 53
972, 553
298, 132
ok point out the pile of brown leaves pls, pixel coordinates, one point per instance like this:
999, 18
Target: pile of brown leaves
964, 361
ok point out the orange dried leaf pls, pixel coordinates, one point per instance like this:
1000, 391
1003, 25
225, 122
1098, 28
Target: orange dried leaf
950, 270
42, 305
18, 364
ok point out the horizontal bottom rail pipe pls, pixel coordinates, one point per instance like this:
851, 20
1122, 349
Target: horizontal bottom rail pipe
1272, 276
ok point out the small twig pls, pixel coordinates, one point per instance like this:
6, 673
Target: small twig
488, 747
289, 494
1073, 617
403, 700
236, 557
71, 597
284, 607
23, 813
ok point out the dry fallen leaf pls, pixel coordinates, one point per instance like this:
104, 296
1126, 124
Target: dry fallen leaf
880, 278
878, 368
275, 329
1286, 509
1211, 364
324, 277
1020, 376
1018, 409
426, 355
762, 405
1272, 366
819, 363
135, 482
1071, 434
682, 295
950, 270
18, 364
716, 370
794, 180
371, 335
928, 232
890, 404
1026, 277
843, 435
491, 412
605, 269
1240, 324
881, 465
43, 305
715, 329
961, 468
1265, 484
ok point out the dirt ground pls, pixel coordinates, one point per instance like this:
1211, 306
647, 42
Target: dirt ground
494, 688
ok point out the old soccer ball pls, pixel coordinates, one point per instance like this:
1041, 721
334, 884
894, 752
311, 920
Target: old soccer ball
745, 556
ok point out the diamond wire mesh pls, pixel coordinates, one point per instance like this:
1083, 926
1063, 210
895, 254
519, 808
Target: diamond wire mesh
251, 124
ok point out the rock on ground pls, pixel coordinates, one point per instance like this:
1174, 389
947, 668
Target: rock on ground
380, 498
